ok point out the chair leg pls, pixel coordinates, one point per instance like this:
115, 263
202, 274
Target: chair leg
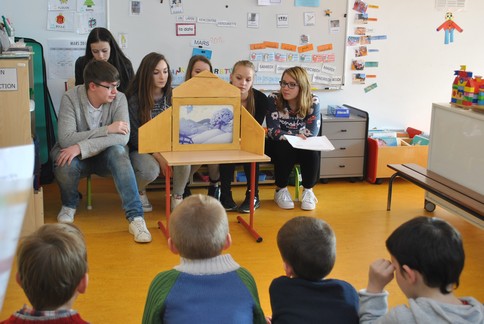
297, 182
89, 193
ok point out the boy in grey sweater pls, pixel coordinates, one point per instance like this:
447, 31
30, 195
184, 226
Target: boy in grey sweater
93, 131
427, 258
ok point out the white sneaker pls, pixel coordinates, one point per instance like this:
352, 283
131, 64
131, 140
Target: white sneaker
147, 207
66, 215
283, 199
309, 200
175, 201
137, 227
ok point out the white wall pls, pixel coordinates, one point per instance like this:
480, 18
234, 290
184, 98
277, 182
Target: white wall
415, 67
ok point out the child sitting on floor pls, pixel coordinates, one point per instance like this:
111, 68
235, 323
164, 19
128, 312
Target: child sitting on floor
427, 258
52, 271
305, 295
207, 286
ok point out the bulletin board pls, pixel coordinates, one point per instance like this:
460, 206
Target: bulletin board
274, 36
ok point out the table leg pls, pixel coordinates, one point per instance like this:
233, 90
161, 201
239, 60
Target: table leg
250, 226
163, 228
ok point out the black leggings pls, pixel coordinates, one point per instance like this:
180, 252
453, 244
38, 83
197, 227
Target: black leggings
284, 157
227, 176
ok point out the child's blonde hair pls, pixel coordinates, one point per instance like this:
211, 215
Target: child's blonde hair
199, 227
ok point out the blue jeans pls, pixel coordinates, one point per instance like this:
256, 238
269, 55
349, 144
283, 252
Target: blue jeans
115, 162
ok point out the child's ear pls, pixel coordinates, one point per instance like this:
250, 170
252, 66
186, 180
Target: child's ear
410, 274
81, 288
228, 241
288, 269
172, 246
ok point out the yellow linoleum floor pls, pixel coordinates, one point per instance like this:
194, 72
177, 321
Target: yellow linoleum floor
121, 270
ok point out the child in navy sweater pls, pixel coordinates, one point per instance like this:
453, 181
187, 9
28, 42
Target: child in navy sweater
304, 295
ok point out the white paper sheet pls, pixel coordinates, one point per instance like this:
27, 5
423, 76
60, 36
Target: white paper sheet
16, 180
316, 143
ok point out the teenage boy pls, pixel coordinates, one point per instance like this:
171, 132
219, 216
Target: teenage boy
427, 258
93, 130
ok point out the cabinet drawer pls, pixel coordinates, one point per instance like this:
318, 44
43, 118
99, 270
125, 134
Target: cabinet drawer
346, 148
341, 167
344, 130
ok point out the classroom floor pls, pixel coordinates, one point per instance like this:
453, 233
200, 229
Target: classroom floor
121, 270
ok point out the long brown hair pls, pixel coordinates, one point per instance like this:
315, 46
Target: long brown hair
304, 99
194, 59
142, 84
250, 97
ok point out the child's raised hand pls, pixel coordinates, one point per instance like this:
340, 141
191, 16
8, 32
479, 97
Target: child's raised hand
380, 274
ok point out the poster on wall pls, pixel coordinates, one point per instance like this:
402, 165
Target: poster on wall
62, 56
80, 16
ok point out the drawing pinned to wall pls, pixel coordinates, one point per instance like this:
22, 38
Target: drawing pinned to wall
449, 26
359, 78
334, 26
304, 39
206, 124
123, 40
309, 19
361, 51
79, 16
358, 65
61, 21
360, 31
282, 21
361, 18
134, 8
176, 6
360, 6
252, 20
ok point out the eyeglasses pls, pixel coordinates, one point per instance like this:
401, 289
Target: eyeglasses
109, 87
290, 85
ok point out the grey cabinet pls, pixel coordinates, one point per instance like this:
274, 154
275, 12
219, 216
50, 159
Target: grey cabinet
349, 138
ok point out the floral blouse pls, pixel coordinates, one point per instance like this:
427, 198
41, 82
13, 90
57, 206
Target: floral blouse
286, 122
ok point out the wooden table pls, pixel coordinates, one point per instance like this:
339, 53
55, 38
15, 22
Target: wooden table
212, 157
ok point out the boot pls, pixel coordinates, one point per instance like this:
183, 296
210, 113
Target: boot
227, 201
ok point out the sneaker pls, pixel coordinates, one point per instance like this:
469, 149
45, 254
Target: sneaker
228, 202
283, 199
309, 200
66, 215
175, 201
137, 227
147, 207
214, 191
245, 206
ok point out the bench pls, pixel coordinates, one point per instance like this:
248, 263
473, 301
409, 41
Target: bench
462, 197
